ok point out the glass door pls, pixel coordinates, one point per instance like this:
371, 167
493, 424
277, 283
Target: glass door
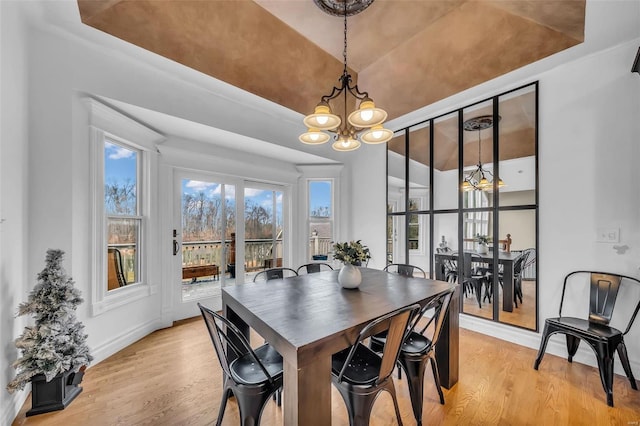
263, 228
204, 239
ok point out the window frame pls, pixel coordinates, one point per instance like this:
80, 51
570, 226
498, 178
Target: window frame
106, 124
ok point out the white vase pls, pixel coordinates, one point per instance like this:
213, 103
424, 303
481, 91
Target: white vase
349, 276
482, 248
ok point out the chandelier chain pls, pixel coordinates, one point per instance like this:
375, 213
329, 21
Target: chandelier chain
344, 51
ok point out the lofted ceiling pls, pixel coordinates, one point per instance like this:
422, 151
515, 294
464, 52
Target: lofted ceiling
406, 54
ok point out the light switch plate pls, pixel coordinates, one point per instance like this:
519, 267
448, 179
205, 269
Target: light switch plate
608, 235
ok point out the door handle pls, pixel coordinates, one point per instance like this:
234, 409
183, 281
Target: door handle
176, 247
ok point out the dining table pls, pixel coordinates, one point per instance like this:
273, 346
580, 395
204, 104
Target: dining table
308, 318
506, 259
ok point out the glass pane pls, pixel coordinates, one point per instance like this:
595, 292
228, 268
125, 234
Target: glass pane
123, 236
320, 224
120, 177
396, 172
478, 149
517, 147
445, 228
398, 241
445, 154
521, 226
320, 199
263, 218
419, 166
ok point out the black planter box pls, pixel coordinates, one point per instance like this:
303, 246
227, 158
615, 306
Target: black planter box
56, 394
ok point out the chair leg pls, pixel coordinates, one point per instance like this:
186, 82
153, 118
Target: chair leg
359, 406
250, 407
390, 387
543, 346
414, 369
436, 376
605, 366
223, 404
624, 358
478, 288
572, 346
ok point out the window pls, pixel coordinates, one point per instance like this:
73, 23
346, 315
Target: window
414, 225
320, 219
476, 222
124, 223
122, 212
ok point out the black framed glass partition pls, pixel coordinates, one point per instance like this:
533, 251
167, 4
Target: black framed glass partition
462, 203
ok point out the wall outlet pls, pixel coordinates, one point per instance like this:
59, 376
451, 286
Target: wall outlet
608, 235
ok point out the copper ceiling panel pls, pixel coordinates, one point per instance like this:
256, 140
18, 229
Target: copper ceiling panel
473, 44
409, 54
235, 41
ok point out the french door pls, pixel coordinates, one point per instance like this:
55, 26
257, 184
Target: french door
203, 235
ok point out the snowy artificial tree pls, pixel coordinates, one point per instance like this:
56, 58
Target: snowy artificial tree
55, 346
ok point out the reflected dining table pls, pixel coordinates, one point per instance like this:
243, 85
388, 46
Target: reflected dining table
507, 260
310, 317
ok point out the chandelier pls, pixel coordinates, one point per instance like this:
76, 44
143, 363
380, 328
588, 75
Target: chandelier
365, 123
477, 179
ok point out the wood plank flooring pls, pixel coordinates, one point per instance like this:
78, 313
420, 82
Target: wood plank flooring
172, 377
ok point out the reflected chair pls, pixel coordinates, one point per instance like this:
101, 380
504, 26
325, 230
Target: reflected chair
274, 274
360, 374
312, 268
251, 375
476, 277
405, 270
418, 349
115, 273
517, 278
595, 331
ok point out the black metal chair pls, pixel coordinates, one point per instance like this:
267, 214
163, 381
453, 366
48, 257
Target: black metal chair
418, 348
404, 269
275, 274
312, 268
251, 375
603, 339
360, 374
476, 277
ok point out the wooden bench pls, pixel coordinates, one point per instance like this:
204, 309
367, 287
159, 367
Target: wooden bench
195, 272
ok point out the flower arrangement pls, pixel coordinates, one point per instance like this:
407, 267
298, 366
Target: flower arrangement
482, 239
352, 252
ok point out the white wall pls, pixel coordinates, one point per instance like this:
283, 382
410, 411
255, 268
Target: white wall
14, 181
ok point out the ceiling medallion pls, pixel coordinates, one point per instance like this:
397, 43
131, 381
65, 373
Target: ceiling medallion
480, 122
337, 7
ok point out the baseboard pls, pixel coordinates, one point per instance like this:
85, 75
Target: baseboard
15, 404
129, 336
530, 339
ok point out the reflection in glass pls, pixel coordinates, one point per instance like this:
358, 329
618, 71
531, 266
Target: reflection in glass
445, 153
396, 167
123, 239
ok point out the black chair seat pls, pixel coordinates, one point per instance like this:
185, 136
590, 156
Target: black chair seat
363, 369
245, 370
415, 344
586, 328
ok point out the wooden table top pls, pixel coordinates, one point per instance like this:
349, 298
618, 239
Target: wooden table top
313, 313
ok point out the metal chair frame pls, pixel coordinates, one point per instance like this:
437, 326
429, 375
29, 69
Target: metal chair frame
595, 331
405, 269
273, 274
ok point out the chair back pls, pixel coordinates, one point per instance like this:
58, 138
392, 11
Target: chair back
229, 345
517, 265
440, 306
312, 268
405, 269
115, 272
603, 292
398, 325
274, 274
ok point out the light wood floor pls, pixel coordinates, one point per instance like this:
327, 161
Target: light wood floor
172, 377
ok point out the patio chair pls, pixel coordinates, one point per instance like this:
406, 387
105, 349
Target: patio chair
274, 274
360, 374
595, 331
251, 375
115, 273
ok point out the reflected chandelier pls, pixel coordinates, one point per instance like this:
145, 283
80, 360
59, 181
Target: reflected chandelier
366, 121
477, 179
